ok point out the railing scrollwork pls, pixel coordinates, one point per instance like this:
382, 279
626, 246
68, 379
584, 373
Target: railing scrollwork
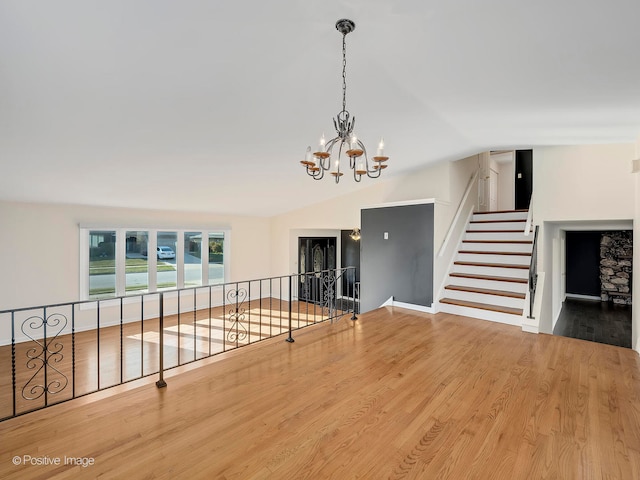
237, 332
43, 356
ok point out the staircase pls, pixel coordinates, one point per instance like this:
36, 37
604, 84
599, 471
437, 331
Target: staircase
489, 276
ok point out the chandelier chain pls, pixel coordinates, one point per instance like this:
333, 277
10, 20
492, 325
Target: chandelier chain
344, 72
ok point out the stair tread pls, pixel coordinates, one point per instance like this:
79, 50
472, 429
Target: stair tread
485, 252
501, 265
499, 241
486, 291
517, 220
482, 306
489, 277
501, 211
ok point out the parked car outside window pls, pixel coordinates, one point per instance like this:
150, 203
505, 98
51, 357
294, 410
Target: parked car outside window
165, 252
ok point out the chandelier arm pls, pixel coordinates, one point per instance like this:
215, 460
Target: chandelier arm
331, 143
374, 175
317, 175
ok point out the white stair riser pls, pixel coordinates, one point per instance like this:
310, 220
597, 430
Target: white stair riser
501, 216
496, 236
481, 314
492, 284
497, 247
493, 271
485, 298
497, 226
489, 258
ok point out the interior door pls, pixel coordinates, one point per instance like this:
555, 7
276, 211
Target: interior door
524, 178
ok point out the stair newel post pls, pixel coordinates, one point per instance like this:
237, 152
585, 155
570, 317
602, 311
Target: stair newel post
161, 383
290, 338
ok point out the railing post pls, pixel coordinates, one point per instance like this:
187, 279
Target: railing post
290, 339
161, 383
353, 272
533, 273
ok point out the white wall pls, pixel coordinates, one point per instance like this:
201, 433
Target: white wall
588, 186
39, 246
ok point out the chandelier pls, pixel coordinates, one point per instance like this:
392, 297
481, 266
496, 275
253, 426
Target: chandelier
346, 141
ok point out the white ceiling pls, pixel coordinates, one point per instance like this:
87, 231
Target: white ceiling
210, 105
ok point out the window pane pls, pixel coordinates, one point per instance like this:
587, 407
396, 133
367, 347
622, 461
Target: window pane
102, 263
166, 253
192, 259
216, 255
137, 265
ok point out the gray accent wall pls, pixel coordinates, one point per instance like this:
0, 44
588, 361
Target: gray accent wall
400, 266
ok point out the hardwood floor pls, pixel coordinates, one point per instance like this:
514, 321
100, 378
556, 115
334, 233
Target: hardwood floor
395, 394
595, 321
111, 356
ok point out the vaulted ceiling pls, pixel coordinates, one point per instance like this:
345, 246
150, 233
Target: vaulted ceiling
209, 105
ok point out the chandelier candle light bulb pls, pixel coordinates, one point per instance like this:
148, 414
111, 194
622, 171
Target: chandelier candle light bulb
346, 142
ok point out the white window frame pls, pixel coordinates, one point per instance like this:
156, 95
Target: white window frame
120, 259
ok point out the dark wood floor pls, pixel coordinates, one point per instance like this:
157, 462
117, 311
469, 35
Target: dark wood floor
596, 321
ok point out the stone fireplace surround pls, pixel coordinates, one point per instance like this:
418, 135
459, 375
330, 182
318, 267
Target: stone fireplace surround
616, 255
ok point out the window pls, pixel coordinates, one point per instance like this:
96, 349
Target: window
166, 271
118, 262
137, 263
216, 264
102, 263
192, 259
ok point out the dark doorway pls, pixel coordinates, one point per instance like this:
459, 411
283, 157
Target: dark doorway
583, 263
349, 257
524, 179
598, 287
314, 255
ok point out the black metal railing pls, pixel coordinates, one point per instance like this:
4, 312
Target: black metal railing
533, 273
59, 352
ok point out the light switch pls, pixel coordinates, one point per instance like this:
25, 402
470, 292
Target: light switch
386, 235
519, 175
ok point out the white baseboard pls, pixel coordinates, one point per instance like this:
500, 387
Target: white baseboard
582, 297
388, 303
411, 306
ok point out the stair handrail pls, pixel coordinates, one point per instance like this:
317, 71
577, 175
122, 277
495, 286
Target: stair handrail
533, 272
529, 224
456, 217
